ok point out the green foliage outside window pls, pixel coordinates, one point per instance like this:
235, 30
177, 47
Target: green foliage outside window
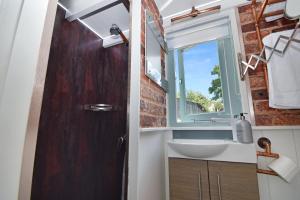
213, 104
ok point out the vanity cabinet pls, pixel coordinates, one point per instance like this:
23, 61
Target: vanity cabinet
212, 180
188, 179
232, 181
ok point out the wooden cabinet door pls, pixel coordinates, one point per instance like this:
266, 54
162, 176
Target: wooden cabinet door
233, 181
188, 179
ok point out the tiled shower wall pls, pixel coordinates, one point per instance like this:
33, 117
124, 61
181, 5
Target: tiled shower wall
264, 115
153, 98
285, 142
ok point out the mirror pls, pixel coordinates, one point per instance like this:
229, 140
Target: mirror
155, 43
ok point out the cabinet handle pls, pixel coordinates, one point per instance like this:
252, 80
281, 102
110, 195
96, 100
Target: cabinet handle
199, 186
219, 187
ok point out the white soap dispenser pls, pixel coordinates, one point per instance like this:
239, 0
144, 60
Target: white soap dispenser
243, 130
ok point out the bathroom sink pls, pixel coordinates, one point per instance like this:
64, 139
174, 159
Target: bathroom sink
199, 148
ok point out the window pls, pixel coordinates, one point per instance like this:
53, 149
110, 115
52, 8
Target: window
204, 83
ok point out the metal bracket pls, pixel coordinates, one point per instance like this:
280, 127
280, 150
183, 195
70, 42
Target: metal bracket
261, 58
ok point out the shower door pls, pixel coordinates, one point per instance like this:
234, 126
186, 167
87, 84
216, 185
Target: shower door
78, 155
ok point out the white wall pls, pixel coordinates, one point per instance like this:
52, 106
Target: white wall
134, 99
18, 88
284, 142
9, 19
152, 165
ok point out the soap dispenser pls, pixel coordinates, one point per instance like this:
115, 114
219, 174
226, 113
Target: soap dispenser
243, 130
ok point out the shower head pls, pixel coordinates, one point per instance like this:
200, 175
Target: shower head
116, 31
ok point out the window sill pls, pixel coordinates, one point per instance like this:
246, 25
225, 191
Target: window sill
212, 128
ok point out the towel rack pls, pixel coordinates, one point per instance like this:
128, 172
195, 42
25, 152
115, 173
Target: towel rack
244, 66
261, 58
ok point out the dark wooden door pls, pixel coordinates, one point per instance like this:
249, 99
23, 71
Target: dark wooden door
188, 179
233, 181
77, 155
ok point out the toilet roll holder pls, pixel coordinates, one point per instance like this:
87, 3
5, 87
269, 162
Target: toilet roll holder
265, 144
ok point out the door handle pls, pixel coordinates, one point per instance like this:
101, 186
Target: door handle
98, 107
199, 186
219, 187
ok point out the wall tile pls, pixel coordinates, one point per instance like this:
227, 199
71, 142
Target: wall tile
284, 144
264, 190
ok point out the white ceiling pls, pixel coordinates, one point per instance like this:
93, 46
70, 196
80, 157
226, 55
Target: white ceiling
179, 6
102, 21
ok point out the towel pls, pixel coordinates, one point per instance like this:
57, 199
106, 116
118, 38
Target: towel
284, 72
273, 18
274, 7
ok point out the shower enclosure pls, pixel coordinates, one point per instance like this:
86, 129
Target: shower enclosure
80, 150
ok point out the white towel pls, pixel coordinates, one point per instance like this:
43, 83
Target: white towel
272, 8
284, 72
273, 18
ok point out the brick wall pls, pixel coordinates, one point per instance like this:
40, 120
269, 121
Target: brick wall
264, 115
153, 98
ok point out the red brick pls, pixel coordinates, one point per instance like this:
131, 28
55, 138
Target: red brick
283, 28
150, 108
262, 107
257, 82
286, 119
152, 121
261, 94
263, 120
263, 24
258, 71
252, 49
248, 27
246, 18
284, 21
246, 8
264, 115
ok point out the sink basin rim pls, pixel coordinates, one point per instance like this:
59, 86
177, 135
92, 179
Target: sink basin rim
199, 142
199, 148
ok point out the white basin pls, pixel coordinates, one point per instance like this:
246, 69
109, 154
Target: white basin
199, 148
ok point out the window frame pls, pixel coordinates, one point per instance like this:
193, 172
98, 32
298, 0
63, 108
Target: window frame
224, 82
244, 99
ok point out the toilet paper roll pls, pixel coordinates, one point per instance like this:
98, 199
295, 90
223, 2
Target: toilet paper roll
285, 168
